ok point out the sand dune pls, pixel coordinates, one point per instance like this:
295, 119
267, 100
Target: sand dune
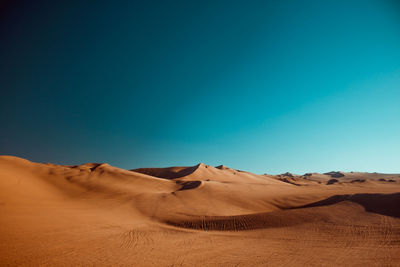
96, 214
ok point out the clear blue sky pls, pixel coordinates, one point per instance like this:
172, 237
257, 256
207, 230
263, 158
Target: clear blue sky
263, 86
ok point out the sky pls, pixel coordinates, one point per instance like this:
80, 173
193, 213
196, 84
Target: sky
261, 86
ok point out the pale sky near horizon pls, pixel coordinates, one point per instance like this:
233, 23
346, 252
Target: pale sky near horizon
261, 86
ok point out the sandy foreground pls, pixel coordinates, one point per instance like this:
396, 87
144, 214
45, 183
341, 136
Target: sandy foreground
96, 214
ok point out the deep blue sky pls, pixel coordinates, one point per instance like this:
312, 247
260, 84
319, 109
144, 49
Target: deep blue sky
263, 86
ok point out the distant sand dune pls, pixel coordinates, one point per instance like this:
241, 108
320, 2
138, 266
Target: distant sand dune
384, 204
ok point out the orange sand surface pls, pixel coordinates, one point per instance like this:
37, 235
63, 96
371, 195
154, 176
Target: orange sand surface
95, 214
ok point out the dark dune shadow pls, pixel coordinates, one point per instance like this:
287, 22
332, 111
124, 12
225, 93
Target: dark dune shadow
95, 166
384, 204
189, 185
168, 173
332, 181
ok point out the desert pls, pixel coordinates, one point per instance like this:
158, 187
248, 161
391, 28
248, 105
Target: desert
200, 133
98, 215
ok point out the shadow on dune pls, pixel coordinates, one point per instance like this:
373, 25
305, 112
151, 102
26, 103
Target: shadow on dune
168, 173
384, 204
189, 185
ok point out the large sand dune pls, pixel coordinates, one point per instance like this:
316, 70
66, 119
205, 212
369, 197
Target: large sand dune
96, 214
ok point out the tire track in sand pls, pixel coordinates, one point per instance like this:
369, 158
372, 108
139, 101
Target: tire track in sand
135, 238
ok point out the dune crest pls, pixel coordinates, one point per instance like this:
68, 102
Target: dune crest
170, 172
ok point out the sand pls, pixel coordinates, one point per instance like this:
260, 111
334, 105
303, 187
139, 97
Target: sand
95, 215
